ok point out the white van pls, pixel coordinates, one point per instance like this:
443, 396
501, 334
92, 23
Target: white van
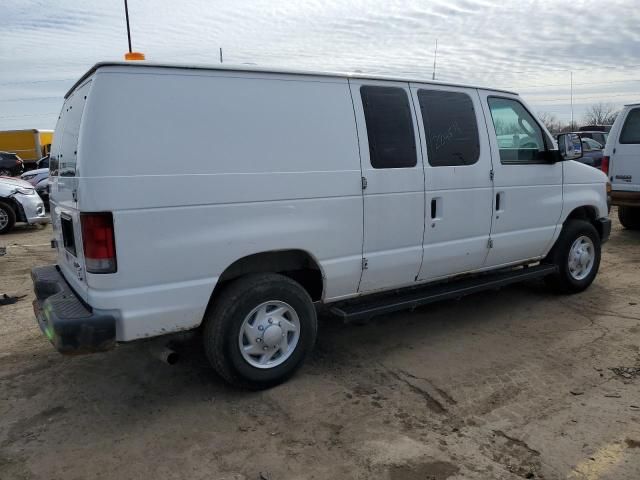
270, 192
621, 161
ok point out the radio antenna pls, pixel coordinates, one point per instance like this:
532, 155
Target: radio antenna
435, 56
130, 55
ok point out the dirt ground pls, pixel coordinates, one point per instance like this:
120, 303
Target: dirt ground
517, 383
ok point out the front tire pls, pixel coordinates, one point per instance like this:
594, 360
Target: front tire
577, 255
259, 329
629, 217
7, 217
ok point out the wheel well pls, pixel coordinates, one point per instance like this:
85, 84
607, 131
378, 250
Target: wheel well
17, 208
295, 264
587, 213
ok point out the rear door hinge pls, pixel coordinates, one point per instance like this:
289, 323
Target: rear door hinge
364, 183
490, 243
365, 263
491, 174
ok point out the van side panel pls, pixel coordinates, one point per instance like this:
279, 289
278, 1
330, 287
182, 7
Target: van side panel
201, 169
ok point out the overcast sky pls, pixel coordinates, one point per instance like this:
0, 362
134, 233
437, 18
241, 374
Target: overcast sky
529, 46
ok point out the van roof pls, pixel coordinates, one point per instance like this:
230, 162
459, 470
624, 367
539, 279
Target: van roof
253, 68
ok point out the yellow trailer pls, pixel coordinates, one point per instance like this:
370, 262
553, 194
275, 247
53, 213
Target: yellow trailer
30, 145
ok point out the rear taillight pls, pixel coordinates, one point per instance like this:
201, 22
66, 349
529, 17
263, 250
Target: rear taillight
98, 241
604, 166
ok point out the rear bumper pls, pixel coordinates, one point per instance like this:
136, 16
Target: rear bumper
625, 199
71, 326
604, 229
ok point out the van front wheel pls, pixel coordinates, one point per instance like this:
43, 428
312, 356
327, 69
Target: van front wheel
577, 256
259, 330
629, 217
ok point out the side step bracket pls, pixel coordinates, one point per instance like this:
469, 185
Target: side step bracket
366, 307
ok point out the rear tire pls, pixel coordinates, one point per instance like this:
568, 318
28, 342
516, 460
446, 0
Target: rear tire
577, 256
7, 217
249, 334
629, 217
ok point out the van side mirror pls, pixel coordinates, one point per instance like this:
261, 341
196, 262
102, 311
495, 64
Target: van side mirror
569, 146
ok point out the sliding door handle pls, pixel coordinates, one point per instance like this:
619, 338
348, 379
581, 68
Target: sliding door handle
499, 201
436, 209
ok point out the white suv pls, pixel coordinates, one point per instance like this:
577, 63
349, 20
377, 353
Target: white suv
621, 162
294, 189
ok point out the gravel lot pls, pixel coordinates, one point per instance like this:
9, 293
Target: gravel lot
517, 383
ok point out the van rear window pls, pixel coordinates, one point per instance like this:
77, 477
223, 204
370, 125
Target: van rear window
387, 114
451, 128
64, 153
631, 128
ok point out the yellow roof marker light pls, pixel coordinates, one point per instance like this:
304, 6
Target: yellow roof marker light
134, 56
130, 55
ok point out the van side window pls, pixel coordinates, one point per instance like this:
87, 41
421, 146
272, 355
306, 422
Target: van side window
520, 138
631, 128
389, 127
450, 127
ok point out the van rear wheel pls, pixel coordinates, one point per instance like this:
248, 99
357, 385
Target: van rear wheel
629, 217
259, 330
7, 217
577, 256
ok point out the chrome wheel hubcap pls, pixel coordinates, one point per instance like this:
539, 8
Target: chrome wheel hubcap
4, 218
581, 257
269, 334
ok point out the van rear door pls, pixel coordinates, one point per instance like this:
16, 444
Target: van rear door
625, 156
65, 216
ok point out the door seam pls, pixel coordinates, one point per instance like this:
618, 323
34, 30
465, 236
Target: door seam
493, 181
355, 121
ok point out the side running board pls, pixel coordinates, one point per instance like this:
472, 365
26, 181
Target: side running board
364, 308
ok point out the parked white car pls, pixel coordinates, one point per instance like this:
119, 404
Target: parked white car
366, 194
19, 203
621, 162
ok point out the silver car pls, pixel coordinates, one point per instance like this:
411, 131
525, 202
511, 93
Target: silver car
19, 202
35, 176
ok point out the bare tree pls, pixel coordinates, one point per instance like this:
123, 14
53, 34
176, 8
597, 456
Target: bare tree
550, 121
600, 114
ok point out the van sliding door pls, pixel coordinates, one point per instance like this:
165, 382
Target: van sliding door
393, 184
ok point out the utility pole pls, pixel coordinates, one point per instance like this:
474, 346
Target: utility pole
435, 56
220, 54
572, 126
